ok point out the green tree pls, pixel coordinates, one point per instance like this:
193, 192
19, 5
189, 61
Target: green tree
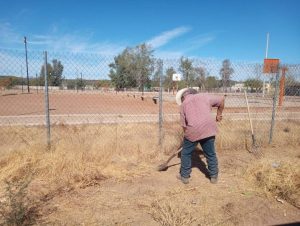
157, 73
225, 72
212, 82
187, 70
71, 84
8, 82
80, 84
143, 65
102, 83
56, 77
54, 73
121, 70
200, 75
42, 73
254, 84
132, 68
168, 78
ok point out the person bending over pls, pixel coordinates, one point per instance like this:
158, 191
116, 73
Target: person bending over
199, 127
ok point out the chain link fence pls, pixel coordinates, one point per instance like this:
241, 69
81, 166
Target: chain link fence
130, 95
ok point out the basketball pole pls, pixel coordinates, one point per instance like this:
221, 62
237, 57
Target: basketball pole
267, 49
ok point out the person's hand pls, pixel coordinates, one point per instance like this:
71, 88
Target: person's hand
219, 118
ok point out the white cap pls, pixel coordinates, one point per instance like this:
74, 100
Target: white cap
179, 95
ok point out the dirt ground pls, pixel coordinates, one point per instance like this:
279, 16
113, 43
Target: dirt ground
149, 197
80, 103
107, 174
18, 104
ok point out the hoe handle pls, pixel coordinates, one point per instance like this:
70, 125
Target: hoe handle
249, 112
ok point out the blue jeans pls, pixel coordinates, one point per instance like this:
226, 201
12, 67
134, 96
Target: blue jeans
208, 146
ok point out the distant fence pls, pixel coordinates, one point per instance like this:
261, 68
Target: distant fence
85, 94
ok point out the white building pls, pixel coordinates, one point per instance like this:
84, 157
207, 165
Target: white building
238, 87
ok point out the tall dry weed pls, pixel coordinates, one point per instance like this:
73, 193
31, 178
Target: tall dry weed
277, 178
76, 160
236, 135
79, 155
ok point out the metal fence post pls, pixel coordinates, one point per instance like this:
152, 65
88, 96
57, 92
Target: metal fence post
274, 107
160, 68
47, 102
26, 59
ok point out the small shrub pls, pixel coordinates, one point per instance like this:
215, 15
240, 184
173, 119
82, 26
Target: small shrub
15, 207
167, 213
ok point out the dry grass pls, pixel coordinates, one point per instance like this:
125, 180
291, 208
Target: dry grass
85, 155
82, 156
168, 213
280, 179
236, 135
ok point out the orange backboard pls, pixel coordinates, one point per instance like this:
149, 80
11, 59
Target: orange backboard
271, 65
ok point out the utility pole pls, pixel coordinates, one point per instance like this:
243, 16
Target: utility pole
25, 42
77, 80
81, 81
22, 78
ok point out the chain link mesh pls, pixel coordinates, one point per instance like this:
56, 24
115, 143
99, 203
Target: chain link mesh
81, 93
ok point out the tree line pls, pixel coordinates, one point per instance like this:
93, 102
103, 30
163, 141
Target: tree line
136, 67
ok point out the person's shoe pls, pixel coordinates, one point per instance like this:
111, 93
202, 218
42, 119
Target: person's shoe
214, 180
184, 180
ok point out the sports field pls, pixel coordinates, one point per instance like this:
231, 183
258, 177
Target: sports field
69, 107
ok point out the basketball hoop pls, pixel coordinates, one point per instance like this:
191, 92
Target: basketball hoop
271, 66
176, 77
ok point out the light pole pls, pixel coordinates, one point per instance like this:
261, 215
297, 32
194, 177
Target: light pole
25, 42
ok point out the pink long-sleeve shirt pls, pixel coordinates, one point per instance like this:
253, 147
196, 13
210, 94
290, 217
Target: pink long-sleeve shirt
196, 117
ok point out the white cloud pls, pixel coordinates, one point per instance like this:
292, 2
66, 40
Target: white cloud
167, 36
75, 44
199, 41
39, 40
8, 35
168, 54
202, 41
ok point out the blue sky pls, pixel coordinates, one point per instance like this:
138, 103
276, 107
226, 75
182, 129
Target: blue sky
205, 29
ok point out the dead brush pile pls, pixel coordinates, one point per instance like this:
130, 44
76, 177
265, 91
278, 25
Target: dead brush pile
279, 179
